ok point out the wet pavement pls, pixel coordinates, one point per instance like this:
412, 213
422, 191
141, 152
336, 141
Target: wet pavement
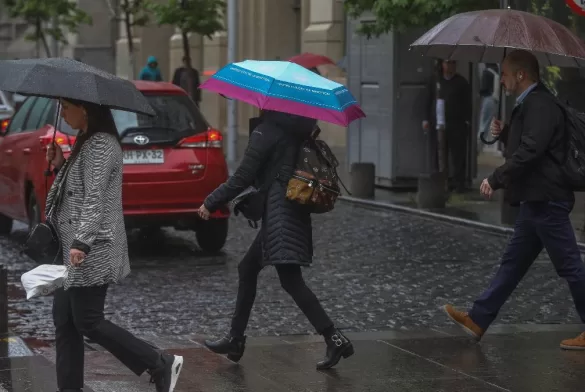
374, 271
442, 360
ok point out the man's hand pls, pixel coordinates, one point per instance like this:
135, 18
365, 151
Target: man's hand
496, 127
76, 257
486, 189
426, 125
204, 212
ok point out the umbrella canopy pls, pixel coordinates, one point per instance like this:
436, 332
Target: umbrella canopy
311, 60
68, 78
488, 36
286, 87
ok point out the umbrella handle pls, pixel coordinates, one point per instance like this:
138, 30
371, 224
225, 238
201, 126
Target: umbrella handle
49, 172
488, 142
496, 139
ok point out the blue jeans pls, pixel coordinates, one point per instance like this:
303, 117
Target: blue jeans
539, 224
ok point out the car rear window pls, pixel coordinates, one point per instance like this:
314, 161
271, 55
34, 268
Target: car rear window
176, 112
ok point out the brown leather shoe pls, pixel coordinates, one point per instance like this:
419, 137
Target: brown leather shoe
464, 321
577, 343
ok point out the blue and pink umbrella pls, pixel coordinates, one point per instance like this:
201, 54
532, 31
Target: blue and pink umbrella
286, 87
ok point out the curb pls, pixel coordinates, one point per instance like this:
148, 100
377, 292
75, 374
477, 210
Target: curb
494, 229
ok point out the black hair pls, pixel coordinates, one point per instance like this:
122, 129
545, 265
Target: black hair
99, 119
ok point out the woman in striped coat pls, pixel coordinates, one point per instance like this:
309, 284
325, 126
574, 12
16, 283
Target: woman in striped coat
86, 203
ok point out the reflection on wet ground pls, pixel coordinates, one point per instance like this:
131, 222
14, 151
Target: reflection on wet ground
435, 362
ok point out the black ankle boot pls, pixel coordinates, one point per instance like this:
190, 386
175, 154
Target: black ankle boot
337, 346
232, 346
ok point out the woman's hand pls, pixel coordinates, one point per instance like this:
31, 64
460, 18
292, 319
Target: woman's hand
76, 257
204, 212
55, 155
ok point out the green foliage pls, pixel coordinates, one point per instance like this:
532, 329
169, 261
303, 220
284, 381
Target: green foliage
40, 14
399, 15
204, 17
136, 10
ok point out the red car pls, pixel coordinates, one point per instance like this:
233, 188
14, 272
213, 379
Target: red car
171, 163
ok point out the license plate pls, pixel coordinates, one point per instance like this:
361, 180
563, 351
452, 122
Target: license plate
143, 157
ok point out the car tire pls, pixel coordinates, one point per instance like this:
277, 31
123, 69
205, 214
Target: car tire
5, 225
33, 210
212, 235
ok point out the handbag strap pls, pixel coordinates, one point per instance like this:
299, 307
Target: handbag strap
60, 188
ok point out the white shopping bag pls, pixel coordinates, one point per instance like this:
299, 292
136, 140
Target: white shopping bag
43, 280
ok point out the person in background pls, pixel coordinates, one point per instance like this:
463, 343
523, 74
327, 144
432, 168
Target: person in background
489, 92
151, 71
456, 93
533, 180
187, 78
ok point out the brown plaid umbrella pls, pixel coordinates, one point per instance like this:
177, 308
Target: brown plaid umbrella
487, 36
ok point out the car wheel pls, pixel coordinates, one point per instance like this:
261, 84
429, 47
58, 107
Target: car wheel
211, 236
5, 225
34, 211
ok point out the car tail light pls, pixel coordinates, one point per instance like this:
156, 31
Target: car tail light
62, 141
4, 124
210, 139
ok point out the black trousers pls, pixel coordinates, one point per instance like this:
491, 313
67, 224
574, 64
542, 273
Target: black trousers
79, 312
291, 279
457, 136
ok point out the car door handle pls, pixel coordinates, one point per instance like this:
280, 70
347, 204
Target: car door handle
26, 151
8, 152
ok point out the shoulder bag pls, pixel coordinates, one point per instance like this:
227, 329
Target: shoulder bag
42, 244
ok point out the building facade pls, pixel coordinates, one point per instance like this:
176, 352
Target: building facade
267, 30
93, 44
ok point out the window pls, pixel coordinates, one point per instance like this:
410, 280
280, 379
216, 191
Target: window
37, 114
17, 122
176, 112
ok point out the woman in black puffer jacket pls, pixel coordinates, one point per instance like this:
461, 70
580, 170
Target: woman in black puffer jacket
285, 238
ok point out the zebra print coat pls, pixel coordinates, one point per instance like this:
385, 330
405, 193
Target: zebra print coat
89, 216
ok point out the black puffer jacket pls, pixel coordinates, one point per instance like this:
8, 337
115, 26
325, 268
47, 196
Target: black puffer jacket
286, 233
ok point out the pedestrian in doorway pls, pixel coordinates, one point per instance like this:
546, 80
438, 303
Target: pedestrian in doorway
187, 78
285, 239
533, 179
455, 93
151, 71
86, 198
489, 92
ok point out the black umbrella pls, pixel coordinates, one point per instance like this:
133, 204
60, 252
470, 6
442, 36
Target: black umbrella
68, 78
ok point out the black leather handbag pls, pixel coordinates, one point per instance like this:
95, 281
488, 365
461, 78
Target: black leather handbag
42, 244
250, 203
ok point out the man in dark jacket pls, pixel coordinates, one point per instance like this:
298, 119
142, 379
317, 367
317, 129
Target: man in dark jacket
533, 179
455, 91
187, 78
285, 239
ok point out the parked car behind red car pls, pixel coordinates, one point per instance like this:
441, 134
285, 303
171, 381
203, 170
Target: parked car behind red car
171, 163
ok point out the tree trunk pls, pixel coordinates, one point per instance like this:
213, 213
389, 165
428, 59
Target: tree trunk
128, 25
38, 29
187, 55
45, 44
